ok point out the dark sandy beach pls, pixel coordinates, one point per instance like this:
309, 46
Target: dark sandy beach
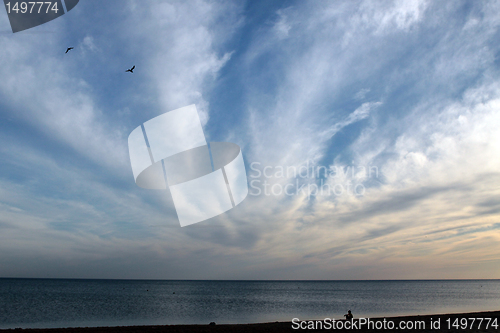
447, 322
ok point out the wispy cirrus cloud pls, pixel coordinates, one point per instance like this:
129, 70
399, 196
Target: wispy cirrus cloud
431, 139
408, 87
67, 191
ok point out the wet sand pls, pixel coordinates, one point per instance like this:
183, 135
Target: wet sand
443, 319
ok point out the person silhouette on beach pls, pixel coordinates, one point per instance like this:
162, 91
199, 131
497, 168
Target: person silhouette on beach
348, 316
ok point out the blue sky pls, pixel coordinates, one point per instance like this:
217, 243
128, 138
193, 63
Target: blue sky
407, 89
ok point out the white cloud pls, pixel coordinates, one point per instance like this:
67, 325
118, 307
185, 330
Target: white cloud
181, 48
431, 156
430, 129
362, 93
38, 90
282, 27
88, 43
71, 212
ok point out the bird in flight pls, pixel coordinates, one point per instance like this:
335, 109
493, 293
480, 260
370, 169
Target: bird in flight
131, 70
69, 49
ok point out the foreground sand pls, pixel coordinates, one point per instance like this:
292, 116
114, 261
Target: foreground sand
287, 326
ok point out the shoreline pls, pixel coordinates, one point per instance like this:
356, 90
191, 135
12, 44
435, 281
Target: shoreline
447, 323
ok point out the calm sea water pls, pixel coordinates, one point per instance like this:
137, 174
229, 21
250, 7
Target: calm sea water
30, 303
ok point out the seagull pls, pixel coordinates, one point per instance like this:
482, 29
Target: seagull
69, 49
130, 70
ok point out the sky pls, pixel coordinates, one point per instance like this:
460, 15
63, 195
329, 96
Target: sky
369, 131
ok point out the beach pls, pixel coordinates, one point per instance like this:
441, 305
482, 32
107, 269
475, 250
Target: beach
425, 323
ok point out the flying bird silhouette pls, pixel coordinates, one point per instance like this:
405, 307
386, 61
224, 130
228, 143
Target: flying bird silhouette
69, 49
131, 70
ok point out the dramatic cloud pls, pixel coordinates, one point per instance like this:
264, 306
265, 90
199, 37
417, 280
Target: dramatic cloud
369, 131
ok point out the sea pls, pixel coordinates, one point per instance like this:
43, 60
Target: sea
50, 303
